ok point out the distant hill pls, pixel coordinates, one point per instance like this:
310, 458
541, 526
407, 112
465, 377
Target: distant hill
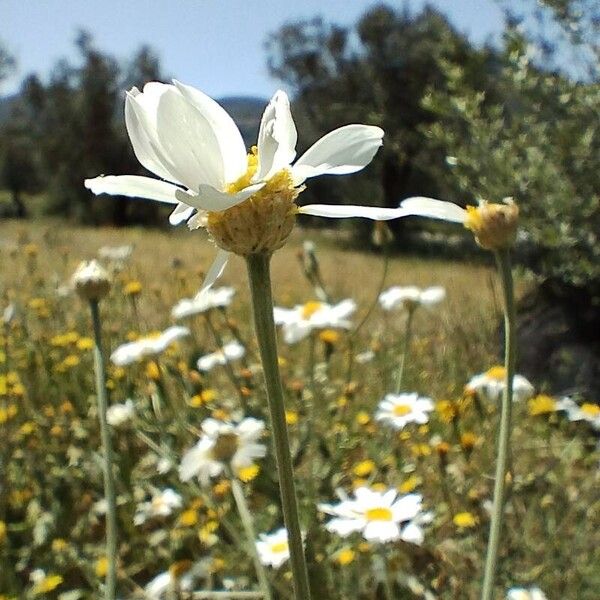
246, 111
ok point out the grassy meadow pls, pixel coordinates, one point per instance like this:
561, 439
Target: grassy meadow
51, 513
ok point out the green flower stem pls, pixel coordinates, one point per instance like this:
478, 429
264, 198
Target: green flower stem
109, 483
491, 561
246, 517
405, 349
381, 571
262, 306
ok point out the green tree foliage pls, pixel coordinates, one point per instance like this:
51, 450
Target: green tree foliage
77, 125
378, 72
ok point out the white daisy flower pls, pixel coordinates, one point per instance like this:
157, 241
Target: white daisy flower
273, 549
118, 415
131, 352
379, 516
299, 321
411, 297
163, 504
533, 593
158, 588
231, 351
194, 147
398, 410
203, 302
586, 411
117, 254
490, 386
223, 445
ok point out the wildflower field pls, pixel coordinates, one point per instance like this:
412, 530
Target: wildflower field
394, 478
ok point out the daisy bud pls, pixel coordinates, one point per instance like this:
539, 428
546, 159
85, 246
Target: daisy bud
91, 281
493, 225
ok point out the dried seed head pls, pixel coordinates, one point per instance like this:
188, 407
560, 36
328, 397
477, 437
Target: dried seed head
91, 281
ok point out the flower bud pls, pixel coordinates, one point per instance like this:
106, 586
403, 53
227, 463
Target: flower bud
91, 281
493, 225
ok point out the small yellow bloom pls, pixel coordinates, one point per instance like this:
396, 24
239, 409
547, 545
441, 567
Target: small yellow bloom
47, 584
420, 450
101, 567
363, 418
291, 417
247, 474
410, 485
188, 518
468, 440
59, 545
132, 288
71, 361
446, 410
590, 410
465, 520
329, 336
222, 487
345, 556
542, 404
152, 371
3, 533
85, 343
364, 468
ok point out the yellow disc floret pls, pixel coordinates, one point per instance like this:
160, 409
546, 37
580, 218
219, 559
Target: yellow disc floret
262, 223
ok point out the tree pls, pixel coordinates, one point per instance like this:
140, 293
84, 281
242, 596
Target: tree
378, 72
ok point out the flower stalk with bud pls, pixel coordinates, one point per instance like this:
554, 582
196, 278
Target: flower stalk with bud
92, 283
494, 227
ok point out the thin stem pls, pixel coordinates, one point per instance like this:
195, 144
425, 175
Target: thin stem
246, 517
405, 349
109, 483
381, 570
504, 268
262, 306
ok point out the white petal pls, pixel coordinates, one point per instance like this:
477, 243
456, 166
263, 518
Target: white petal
143, 138
277, 137
381, 531
413, 533
188, 139
216, 269
181, 213
435, 209
345, 211
344, 527
233, 149
134, 186
344, 150
209, 198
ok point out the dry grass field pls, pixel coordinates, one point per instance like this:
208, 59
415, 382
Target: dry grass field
51, 519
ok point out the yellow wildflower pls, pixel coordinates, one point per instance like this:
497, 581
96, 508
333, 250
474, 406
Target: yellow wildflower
465, 520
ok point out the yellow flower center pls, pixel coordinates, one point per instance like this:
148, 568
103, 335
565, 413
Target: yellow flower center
279, 547
493, 225
541, 405
262, 223
497, 373
591, 410
401, 410
246, 179
310, 308
378, 514
464, 520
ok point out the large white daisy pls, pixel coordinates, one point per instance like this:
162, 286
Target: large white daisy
190, 142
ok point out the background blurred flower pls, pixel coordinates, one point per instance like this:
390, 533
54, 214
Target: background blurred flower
398, 410
231, 351
379, 516
490, 386
147, 346
299, 321
273, 549
162, 504
120, 414
223, 445
533, 593
203, 301
411, 297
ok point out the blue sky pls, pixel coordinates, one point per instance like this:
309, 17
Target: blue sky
216, 45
